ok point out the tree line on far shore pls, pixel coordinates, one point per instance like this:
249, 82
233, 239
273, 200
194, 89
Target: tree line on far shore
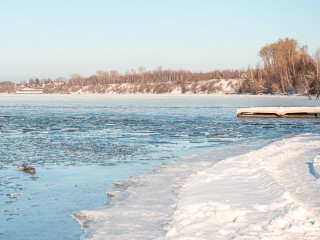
287, 68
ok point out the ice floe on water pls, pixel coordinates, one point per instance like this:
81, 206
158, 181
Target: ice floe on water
267, 193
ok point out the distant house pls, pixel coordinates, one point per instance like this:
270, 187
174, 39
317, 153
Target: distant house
28, 90
47, 83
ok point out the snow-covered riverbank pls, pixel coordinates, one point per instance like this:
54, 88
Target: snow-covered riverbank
271, 193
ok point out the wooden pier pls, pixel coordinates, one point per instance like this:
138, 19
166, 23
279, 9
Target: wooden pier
279, 112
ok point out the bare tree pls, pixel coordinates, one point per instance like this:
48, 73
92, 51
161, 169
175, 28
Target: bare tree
316, 62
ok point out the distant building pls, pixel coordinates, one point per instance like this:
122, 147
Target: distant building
28, 90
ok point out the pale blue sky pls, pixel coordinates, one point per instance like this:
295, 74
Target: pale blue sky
52, 38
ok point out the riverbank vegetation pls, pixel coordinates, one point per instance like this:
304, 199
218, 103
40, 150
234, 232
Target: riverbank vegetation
286, 68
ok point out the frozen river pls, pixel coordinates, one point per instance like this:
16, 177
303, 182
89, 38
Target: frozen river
81, 144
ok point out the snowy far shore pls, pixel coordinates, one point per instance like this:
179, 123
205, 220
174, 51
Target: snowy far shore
271, 193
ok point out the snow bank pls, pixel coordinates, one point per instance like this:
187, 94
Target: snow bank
212, 86
271, 193
143, 210
143, 206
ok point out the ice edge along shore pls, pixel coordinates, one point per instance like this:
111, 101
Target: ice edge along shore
270, 193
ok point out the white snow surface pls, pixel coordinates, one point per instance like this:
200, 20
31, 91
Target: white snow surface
270, 193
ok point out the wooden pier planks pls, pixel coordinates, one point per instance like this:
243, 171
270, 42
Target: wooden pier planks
280, 112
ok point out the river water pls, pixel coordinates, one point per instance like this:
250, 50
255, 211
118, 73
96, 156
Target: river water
81, 144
